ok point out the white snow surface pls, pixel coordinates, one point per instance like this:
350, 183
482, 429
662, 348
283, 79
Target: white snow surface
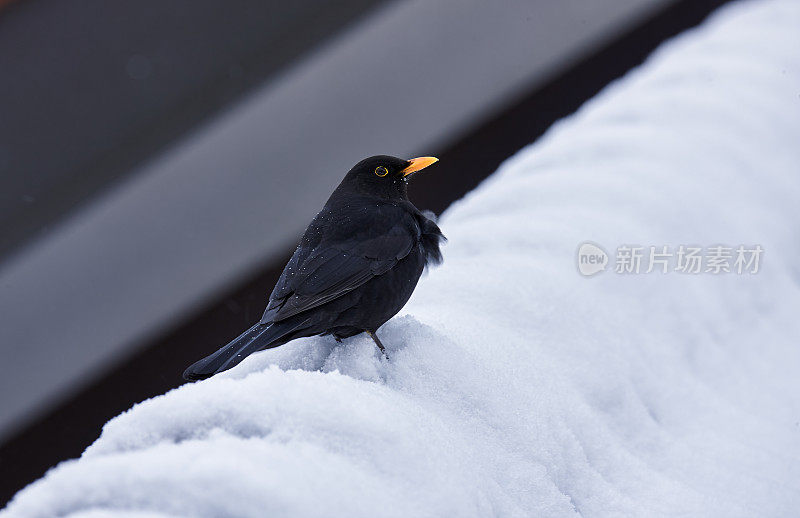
516, 387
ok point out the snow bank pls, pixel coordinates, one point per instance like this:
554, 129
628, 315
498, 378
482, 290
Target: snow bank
517, 387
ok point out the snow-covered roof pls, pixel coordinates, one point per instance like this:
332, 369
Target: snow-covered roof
517, 386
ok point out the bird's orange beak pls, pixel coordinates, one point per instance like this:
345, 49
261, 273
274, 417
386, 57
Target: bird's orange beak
418, 164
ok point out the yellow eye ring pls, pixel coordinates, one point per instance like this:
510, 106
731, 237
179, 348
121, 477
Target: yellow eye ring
381, 171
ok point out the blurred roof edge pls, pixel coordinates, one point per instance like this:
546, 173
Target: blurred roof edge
102, 146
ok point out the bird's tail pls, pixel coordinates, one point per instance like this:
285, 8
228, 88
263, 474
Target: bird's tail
258, 337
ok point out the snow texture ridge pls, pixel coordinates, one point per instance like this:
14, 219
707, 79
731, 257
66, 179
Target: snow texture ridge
517, 387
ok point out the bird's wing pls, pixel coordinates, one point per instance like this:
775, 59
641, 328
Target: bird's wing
338, 264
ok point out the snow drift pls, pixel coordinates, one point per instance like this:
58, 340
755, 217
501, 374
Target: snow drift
517, 387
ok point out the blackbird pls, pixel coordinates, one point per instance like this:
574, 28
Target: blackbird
355, 267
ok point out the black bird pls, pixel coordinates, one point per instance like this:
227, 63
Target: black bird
355, 267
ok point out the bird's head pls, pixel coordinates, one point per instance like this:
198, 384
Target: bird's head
385, 176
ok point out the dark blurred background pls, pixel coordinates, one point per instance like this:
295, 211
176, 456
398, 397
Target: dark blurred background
158, 160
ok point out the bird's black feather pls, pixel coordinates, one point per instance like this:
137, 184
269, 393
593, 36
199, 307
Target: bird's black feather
318, 274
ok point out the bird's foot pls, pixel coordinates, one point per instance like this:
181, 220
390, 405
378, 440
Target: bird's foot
377, 342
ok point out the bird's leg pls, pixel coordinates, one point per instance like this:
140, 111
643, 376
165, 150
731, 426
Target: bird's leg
377, 341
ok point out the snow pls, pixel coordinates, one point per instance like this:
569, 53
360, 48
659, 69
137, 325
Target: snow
516, 386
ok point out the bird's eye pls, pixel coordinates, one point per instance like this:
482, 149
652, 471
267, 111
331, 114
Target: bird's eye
381, 171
